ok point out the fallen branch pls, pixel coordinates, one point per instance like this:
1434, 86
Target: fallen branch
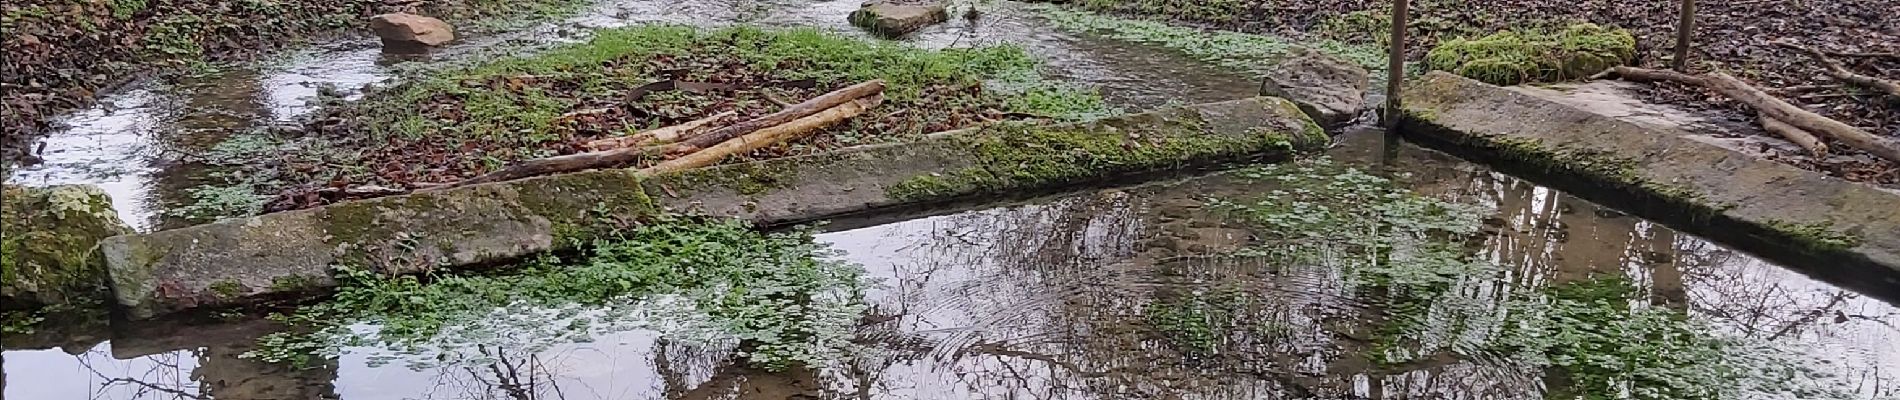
1840, 72
795, 111
1800, 137
794, 130
629, 155
1771, 107
661, 135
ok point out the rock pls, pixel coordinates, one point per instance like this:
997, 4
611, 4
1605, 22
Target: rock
1330, 90
405, 29
898, 17
48, 241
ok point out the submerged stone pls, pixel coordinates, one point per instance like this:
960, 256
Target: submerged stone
1330, 90
899, 17
47, 242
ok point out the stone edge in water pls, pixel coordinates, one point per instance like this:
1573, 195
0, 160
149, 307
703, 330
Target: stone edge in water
1839, 226
290, 254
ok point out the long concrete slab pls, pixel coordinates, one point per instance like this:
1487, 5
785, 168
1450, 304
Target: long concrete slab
1837, 229
292, 254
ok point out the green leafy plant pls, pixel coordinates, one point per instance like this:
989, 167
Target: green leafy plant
781, 297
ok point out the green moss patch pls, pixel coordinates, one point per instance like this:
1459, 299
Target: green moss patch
1015, 156
1512, 57
47, 247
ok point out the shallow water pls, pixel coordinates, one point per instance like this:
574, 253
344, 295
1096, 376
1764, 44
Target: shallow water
1044, 298
134, 143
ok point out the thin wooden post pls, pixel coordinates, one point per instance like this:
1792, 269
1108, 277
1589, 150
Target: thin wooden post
1395, 74
1685, 29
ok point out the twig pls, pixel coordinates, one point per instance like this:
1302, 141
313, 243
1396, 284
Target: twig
1838, 71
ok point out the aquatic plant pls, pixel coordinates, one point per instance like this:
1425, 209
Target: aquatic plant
1595, 338
783, 298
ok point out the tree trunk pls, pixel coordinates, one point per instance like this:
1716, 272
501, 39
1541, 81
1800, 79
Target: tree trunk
1685, 34
794, 130
1771, 107
795, 111
661, 135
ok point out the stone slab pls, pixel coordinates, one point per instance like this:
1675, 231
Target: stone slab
1846, 230
285, 255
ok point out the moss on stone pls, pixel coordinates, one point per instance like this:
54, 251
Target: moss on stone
1816, 237
227, 289
1513, 57
50, 235
1015, 156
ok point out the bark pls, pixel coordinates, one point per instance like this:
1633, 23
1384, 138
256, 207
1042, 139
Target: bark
629, 155
795, 111
1840, 72
1771, 107
794, 130
661, 135
1799, 137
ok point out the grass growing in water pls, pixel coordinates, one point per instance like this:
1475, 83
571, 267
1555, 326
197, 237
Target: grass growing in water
781, 296
1598, 338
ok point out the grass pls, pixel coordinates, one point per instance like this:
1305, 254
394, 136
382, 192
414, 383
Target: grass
1532, 55
468, 121
781, 296
1238, 51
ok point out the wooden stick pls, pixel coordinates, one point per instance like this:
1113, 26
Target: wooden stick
789, 131
1838, 71
1771, 107
1799, 137
1395, 66
661, 135
795, 111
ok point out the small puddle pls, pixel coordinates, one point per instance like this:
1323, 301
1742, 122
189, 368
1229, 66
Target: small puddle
1053, 297
135, 143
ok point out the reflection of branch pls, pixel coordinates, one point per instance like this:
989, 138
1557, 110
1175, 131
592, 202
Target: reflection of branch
110, 381
1812, 315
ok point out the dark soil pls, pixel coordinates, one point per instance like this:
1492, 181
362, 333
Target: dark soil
1730, 36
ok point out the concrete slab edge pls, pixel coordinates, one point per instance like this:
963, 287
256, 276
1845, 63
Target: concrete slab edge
1839, 231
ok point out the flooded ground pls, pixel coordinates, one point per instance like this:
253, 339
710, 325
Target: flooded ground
1076, 296
137, 143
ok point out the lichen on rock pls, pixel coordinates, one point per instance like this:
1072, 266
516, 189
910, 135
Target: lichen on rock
47, 244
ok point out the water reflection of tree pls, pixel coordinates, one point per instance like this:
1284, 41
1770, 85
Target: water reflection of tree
162, 377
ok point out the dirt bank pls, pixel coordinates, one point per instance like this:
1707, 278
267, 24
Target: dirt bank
60, 55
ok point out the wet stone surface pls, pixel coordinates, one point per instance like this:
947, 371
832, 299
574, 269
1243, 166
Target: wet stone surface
1135, 292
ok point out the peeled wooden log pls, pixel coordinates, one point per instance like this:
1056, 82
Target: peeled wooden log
795, 111
629, 155
661, 135
794, 130
1800, 137
1840, 72
1771, 107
